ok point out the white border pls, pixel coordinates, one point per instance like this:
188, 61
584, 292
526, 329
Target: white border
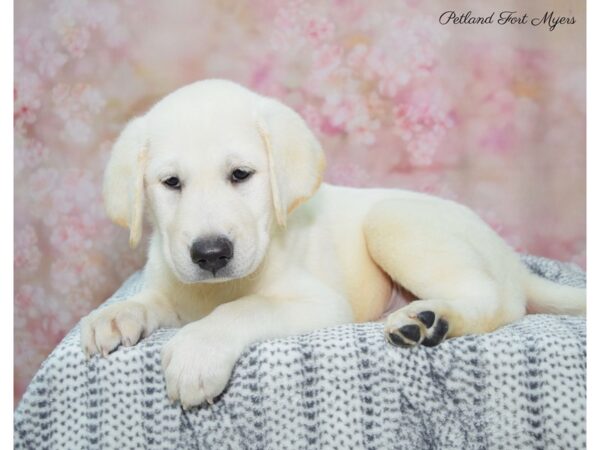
6, 223
593, 218
7, 208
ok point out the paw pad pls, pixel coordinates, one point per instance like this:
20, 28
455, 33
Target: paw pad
427, 317
439, 333
405, 336
427, 329
411, 332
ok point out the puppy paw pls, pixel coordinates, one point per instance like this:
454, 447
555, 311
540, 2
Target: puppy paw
409, 327
197, 365
122, 323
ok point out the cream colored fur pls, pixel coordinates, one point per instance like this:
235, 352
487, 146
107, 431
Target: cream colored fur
306, 255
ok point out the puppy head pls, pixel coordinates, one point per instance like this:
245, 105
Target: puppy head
218, 167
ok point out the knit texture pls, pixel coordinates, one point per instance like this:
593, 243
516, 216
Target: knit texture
520, 387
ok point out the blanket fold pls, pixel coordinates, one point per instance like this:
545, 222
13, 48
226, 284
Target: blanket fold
520, 387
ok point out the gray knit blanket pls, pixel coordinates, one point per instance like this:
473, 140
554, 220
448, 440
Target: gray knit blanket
520, 387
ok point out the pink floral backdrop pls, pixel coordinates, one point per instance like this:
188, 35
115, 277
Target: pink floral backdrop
493, 116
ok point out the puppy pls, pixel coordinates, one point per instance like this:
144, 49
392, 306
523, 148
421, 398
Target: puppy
248, 244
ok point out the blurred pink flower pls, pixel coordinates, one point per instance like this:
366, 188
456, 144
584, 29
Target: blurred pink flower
74, 234
27, 299
30, 153
27, 255
422, 119
319, 29
77, 99
75, 40
340, 109
385, 68
312, 116
498, 139
76, 105
347, 173
356, 57
27, 94
42, 181
510, 233
92, 99
78, 131
48, 317
326, 58
50, 60
396, 100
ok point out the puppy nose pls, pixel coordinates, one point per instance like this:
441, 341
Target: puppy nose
212, 253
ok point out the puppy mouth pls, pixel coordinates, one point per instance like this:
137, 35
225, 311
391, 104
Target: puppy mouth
214, 276
213, 281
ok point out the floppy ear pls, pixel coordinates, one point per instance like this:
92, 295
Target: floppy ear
296, 159
124, 179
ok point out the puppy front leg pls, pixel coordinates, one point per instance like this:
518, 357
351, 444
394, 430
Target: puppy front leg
199, 359
125, 322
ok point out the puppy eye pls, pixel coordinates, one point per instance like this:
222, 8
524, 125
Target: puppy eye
172, 183
240, 175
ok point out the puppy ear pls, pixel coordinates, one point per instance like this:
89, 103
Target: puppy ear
124, 179
296, 159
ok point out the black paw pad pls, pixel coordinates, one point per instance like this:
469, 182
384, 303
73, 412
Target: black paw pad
395, 338
427, 317
411, 332
438, 335
406, 336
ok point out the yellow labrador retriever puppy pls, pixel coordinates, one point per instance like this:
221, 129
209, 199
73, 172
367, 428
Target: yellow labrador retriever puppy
248, 244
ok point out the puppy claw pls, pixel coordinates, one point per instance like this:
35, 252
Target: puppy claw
103, 330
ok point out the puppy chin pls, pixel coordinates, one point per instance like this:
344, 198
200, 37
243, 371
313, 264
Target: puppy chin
212, 280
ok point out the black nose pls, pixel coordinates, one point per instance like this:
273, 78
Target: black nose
212, 253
